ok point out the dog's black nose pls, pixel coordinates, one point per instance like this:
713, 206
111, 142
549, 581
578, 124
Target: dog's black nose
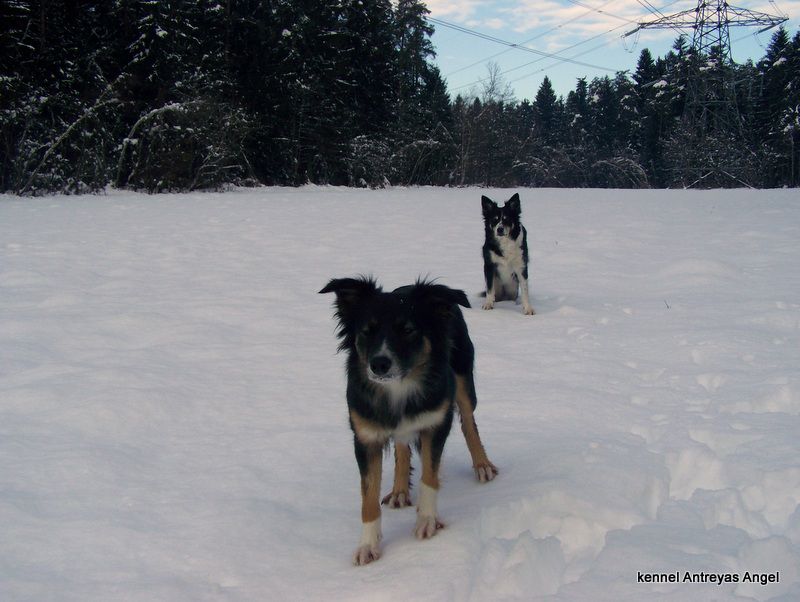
380, 364
500, 231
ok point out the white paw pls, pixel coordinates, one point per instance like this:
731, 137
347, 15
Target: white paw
366, 554
486, 472
427, 526
528, 311
368, 548
488, 305
397, 499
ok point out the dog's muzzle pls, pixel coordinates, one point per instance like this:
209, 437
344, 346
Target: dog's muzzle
382, 369
380, 365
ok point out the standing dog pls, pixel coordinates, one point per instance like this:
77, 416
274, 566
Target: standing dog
409, 361
505, 254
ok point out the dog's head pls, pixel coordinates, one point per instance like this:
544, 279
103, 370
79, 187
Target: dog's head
394, 335
502, 221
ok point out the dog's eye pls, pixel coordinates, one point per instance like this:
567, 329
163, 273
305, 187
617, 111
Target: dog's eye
368, 328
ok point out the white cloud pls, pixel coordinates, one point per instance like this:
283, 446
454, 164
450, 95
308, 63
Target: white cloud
495, 23
459, 10
572, 19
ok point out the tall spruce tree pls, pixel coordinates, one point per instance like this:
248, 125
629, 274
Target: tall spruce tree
603, 113
790, 120
647, 84
774, 71
414, 48
545, 112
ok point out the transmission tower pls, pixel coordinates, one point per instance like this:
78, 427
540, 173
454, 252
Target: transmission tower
710, 83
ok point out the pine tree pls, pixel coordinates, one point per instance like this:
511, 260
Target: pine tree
577, 113
367, 64
647, 84
603, 113
413, 42
414, 48
790, 120
545, 112
265, 47
428, 150
628, 126
775, 75
580, 150
321, 105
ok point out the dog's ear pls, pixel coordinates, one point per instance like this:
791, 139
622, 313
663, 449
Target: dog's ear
487, 204
441, 298
513, 204
349, 293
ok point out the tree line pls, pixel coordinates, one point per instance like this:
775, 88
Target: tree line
181, 95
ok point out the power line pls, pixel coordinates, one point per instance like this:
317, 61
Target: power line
536, 37
558, 62
559, 59
597, 10
546, 67
496, 40
540, 35
647, 5
575, 56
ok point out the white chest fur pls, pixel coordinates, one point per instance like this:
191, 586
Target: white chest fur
405, 431
512, 252
511, 262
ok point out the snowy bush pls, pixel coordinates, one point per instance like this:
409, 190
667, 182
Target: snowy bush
427, 161
552, 167
53, 142
184, 146
618, 172
368, 162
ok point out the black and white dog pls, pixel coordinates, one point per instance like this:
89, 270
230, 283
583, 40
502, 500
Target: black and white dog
505, 254
409, 365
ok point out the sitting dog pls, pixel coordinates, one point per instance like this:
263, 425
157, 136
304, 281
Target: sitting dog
505, 254
409, 361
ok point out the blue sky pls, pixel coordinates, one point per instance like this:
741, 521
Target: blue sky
588, 31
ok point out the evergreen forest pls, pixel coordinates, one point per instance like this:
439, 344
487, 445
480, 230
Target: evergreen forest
169, 95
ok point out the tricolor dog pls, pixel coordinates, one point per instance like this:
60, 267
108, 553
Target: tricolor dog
505, 254
409, 364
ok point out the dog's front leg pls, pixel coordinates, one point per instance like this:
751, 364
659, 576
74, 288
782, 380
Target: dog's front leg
488, 273
527, 308
431, 447
369, 465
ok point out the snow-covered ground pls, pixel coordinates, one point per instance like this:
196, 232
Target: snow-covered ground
172, 415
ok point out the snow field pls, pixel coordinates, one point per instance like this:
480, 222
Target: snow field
173, 425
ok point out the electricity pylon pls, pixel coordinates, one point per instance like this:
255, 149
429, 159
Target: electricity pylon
710, 91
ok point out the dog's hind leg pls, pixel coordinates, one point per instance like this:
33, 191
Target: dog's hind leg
399, 497
369, 458
466, 400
